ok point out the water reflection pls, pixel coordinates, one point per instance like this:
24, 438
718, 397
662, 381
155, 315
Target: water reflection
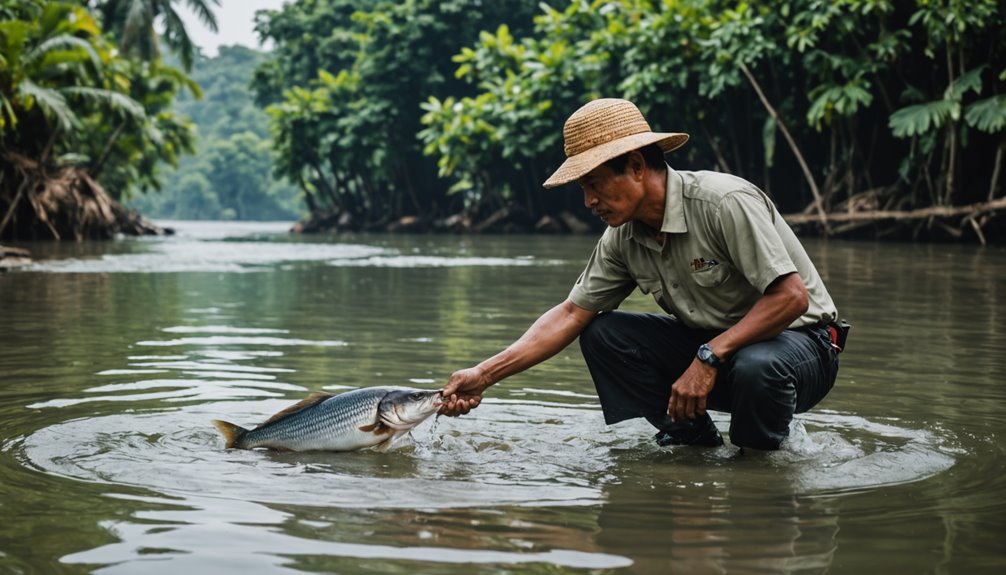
721, 527
108, 460
515, 466
209, 535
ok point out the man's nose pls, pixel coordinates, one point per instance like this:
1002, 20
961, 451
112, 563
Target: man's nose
589, 199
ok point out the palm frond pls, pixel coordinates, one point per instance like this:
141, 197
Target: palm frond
116, 101
968, 81
60, 42
988, 115
920, 118
180, 79
177, 37
202, 10
52, 103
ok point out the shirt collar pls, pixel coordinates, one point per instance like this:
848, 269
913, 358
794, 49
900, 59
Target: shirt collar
674, 213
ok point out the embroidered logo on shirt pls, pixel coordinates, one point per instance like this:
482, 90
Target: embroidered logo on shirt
703, 265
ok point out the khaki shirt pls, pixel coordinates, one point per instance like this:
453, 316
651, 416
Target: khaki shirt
724, 244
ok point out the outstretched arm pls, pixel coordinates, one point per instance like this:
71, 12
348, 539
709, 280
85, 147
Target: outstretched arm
547, 336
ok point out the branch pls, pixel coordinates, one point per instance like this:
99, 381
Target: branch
818, 204
970, 210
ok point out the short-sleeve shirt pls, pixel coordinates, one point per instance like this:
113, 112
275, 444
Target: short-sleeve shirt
724, 244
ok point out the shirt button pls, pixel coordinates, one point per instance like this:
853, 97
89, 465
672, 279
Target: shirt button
675, 286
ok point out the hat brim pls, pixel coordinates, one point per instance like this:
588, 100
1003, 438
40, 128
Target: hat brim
577, 166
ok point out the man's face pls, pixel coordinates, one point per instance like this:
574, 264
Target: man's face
615, 198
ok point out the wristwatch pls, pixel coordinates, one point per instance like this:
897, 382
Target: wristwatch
706, 355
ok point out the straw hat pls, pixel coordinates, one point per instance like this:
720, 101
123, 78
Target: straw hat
602, 130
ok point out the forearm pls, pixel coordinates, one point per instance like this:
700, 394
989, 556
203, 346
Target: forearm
547, 336
784, 301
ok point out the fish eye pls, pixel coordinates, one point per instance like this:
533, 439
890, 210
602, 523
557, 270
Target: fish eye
416, 395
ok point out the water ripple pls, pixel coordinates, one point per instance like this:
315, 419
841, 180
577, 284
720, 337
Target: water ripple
509, 454
232, 539
209, 256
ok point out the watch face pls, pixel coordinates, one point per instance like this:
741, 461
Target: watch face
706, 355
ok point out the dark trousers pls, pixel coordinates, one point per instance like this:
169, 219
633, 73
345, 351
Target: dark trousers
634, 359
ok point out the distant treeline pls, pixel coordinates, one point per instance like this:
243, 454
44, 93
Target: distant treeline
230, 175
432, 108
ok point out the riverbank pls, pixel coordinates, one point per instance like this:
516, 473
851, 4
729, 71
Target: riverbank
11, 257
981, 223
65, 203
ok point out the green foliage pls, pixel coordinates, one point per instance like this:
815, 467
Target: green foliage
920, 119
353, 76
133, 23
988, 115
53, 69
127, 154
684, 60
371, 120
230, 176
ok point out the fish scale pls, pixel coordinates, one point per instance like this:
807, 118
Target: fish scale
337, 418
344, 422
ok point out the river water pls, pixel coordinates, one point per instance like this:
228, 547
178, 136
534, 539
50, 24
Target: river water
115, 357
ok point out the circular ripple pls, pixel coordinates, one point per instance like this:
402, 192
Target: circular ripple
506, 453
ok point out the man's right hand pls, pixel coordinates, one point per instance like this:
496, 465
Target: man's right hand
463, 391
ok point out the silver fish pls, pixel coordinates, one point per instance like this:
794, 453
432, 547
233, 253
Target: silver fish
368, 417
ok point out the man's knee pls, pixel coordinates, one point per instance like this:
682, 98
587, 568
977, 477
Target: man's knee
759, 363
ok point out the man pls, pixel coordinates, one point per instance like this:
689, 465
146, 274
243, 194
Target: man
752, 328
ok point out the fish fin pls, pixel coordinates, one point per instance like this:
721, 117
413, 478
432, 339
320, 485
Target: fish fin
386, 444
232, 433
377, 428
309, 401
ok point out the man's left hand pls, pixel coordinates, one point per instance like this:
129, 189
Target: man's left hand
689, 392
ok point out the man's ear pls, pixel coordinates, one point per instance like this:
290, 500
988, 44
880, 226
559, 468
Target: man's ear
636, 166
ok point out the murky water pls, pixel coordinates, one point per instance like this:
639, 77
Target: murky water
115, 357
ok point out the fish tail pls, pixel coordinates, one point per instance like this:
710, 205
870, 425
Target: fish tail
232, 433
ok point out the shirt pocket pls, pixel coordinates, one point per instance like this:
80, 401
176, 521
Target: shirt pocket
712, 277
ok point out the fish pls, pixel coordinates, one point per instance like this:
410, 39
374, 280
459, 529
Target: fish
357, 419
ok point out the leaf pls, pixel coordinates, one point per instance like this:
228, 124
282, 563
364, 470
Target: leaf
59, 42
116, 101
970, 80
52, 103
920, 118
988, 115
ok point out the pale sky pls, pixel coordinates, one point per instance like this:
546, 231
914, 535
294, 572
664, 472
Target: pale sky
235, 21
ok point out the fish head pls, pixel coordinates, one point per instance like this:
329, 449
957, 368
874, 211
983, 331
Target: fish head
406, 408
